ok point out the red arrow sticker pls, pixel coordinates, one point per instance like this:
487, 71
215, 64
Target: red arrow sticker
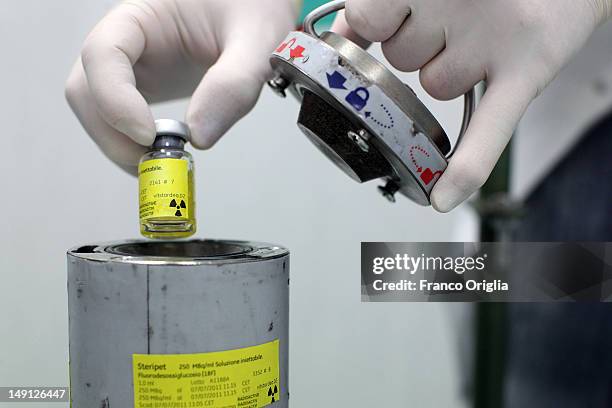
284, 45
297, 52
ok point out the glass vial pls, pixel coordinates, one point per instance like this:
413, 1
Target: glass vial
165, 178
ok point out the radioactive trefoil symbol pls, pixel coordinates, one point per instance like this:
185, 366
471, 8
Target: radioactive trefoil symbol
272, 393
178, 207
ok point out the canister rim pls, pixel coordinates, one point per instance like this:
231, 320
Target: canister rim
189, 252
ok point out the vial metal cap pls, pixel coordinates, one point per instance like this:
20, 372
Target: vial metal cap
171, 127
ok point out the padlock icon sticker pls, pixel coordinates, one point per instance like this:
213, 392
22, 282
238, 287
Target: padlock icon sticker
428, 175
358, 98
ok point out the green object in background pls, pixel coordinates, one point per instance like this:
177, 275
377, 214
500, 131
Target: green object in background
310, 5
491, 318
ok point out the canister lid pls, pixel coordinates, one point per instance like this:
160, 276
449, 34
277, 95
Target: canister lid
171, 127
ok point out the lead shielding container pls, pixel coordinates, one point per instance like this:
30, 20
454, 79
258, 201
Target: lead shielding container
197, 323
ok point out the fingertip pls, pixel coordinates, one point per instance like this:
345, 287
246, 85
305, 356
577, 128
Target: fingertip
223, 98
203, 137
140, 130
441, 202
341, 27
125, 110
205, 121
118, 147
437, 81
375, 23
461, 179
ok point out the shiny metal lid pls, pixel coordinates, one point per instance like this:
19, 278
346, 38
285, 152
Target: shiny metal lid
171, 127
359, 114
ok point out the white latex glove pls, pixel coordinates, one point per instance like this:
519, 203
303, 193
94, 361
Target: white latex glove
147, 51
517, 46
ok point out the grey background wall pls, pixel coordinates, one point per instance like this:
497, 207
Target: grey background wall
263, 181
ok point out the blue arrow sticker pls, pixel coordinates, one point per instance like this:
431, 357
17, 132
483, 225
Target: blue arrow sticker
336, 80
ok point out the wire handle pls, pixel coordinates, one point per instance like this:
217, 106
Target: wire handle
469, 99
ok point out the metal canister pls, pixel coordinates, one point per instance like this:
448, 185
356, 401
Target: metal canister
196, 323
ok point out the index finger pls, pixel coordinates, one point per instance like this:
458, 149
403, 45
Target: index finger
108, 56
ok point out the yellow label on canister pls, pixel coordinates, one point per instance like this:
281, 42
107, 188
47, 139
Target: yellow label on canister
242, 378
164, 188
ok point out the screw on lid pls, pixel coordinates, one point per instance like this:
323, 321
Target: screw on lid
171, 127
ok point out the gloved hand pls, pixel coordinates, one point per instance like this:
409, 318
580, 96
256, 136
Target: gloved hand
517, 46
148, 51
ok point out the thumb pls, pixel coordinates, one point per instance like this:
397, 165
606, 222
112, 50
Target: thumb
228, 91
491, 128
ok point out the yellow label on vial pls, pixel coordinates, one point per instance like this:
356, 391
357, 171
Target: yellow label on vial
242, 378
164, 188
